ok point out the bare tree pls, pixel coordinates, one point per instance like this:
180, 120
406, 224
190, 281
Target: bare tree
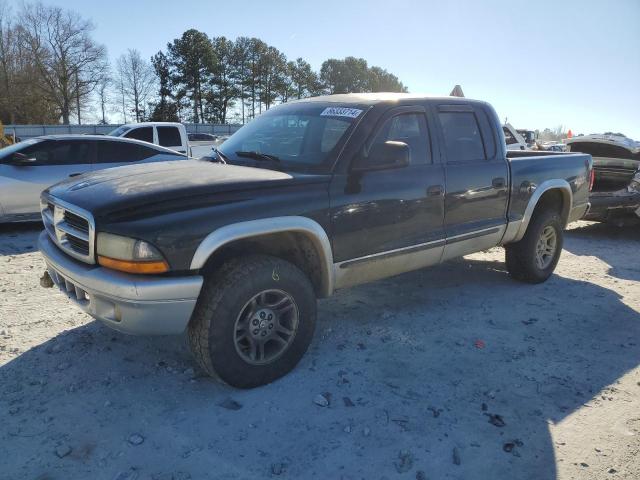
69, 62
8, 60
104, 92
137, 79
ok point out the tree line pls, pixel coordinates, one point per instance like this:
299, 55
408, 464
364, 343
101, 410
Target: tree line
52, 70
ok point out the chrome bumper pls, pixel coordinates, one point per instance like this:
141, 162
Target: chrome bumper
136, 304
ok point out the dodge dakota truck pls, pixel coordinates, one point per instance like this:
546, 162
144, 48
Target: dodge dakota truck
311, 196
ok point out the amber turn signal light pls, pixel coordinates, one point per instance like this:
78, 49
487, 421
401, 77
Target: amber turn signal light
134, 267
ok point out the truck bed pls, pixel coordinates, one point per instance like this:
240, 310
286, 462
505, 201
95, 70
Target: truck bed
530, 169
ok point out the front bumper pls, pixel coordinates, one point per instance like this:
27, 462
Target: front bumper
136, 304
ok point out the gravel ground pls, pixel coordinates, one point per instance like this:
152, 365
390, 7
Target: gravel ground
450, 372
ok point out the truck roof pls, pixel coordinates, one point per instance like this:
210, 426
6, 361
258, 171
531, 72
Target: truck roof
374, 98
151, 124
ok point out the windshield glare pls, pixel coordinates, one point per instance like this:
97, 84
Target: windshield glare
301, 136
118, 132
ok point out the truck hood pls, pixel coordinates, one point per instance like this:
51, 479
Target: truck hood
168, 185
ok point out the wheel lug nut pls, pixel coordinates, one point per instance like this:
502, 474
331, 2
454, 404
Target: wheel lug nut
269, 317
255, 321
261, 314
264, 333
255, 332
270, 326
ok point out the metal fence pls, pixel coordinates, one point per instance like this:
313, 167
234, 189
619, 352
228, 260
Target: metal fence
27, 131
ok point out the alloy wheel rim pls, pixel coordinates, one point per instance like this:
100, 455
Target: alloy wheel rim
546, 247
266, 326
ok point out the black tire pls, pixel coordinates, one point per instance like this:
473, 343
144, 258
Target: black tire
521, 256
223, 299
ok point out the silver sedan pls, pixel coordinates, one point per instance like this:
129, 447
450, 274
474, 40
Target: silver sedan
29, 167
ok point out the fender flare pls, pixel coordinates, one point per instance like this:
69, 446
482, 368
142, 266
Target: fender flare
255, 228
548, 185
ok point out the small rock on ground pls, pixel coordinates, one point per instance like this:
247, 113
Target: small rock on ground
63, 450
321, 400
135, 439
404, 463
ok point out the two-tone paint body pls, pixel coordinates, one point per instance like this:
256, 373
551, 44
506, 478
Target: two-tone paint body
357, 226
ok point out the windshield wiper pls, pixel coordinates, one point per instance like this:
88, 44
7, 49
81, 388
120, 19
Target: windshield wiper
258, 156
221, 156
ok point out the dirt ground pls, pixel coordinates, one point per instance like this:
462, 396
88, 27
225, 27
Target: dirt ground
451, 372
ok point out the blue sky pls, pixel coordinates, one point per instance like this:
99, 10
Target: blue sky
540, 63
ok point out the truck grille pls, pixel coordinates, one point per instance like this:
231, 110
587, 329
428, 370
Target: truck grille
76, 221
70, 227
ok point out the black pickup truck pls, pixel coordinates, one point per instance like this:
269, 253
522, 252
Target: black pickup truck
310, 197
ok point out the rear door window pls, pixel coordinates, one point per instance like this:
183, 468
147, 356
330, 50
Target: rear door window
462, 137
123, 152
169, 136
143, 133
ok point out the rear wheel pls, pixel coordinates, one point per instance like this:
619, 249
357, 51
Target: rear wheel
534, 258
254, 320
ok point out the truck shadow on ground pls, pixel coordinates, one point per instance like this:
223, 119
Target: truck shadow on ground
455, 371
605, 242
19, 238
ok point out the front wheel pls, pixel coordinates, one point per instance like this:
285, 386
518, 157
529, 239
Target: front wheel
534, 258
254, 320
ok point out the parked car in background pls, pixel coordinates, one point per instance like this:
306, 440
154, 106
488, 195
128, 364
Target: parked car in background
32, 165
513, 139
529, 136
201, 144
314, 195
202, 137
615, 197
165, 134
555, 147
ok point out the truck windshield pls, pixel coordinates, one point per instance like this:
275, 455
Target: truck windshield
303, 137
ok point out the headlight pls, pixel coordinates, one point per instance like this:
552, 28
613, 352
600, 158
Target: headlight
129, 254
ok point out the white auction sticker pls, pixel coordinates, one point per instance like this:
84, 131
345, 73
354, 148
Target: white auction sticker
341, 112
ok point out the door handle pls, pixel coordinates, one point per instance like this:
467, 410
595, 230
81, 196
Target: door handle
498, 182
75, 174
435, 190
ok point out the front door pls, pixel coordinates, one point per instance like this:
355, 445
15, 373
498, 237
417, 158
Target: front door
386, 221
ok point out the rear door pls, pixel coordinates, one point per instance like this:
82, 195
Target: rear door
169, 136
477, 177
389, 221
54, 161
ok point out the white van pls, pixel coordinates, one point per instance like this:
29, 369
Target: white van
166, 134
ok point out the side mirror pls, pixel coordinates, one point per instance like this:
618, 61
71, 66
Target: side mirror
20, 160
387, 155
